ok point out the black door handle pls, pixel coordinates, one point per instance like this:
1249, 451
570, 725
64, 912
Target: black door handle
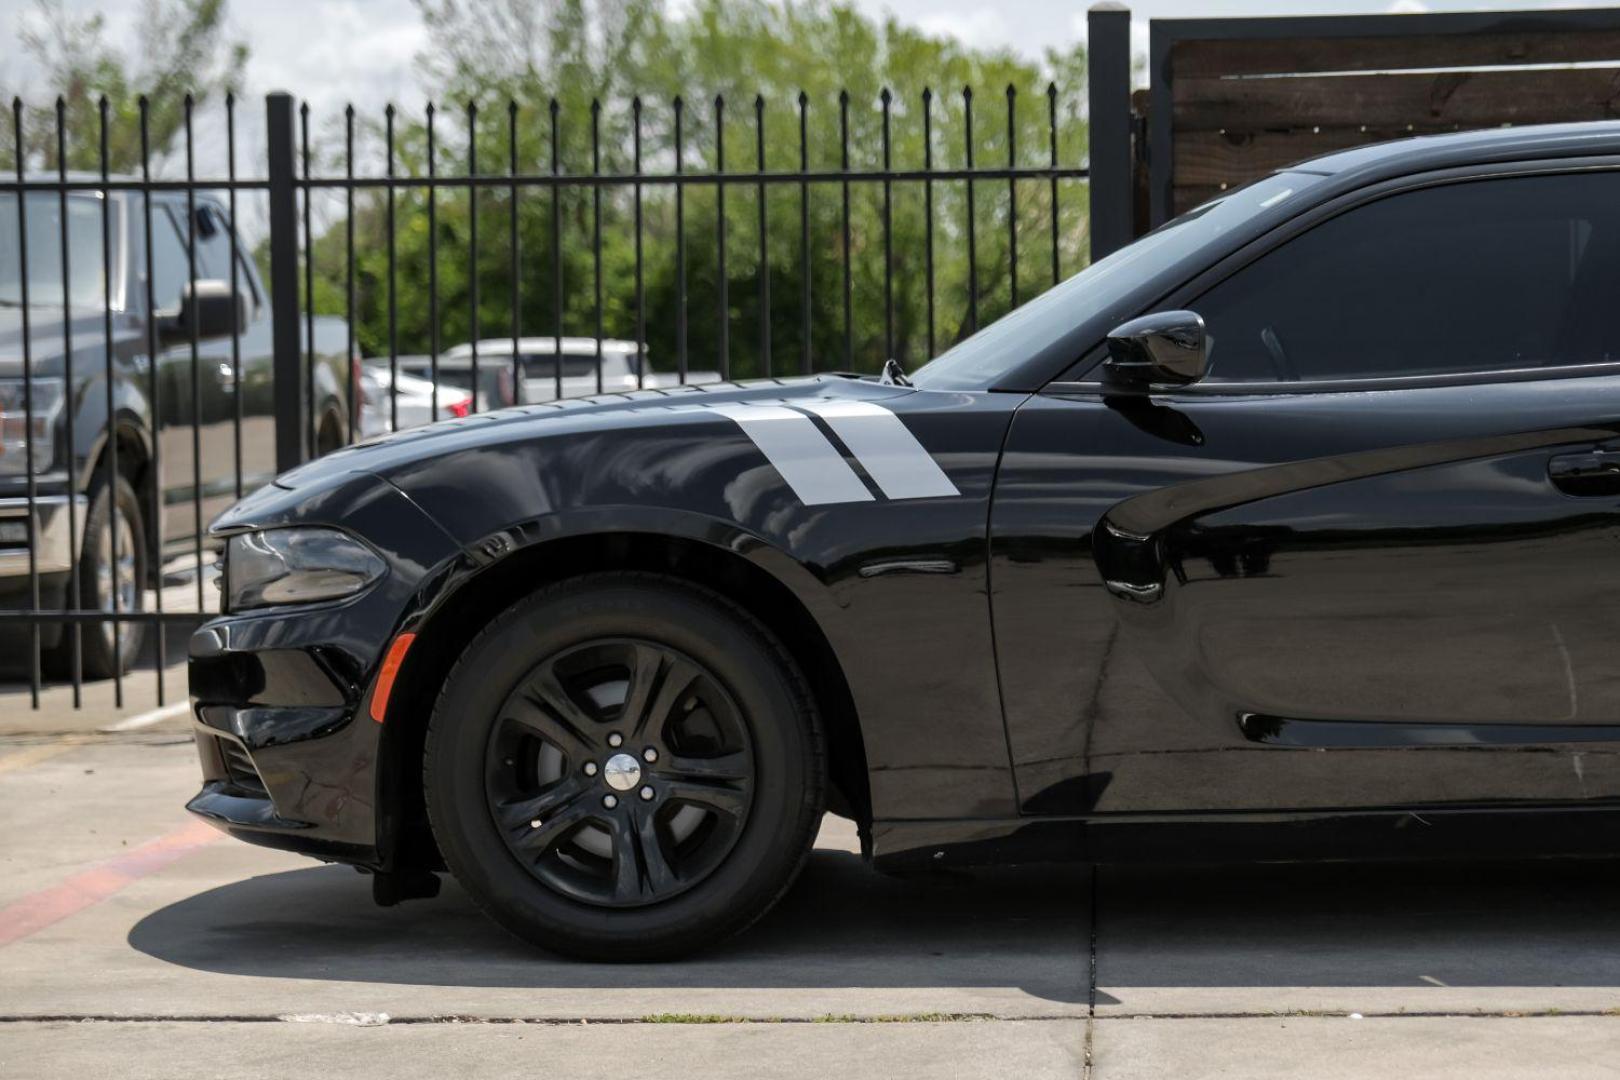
1591, 472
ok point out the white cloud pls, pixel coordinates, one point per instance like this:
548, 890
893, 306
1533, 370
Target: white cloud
981, 26
357, 50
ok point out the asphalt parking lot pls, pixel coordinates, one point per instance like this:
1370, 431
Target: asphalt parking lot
134, 943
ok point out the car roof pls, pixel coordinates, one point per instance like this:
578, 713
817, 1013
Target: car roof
45, 183
1423, 152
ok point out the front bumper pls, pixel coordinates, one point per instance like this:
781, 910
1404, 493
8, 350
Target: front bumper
290, 757
53, 547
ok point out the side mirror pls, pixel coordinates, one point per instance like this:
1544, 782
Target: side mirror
1167, 348
208, 307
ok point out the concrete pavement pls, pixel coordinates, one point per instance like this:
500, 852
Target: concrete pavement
138, 945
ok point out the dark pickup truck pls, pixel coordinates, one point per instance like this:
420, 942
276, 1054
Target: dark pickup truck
163, 486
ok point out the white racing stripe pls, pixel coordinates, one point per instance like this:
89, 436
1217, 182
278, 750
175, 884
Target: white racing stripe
885, 447
790, 441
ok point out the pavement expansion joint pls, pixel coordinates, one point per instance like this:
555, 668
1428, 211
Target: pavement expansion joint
378, 1019
362, 1019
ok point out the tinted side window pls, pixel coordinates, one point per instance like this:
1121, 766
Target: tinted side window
169, 268
1488, 275
213, 253
544, 366
213, 244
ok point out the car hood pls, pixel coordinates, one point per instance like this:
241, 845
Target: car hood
642, 409
559, 438
44, 338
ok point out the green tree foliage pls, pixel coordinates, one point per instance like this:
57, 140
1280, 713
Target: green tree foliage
608, 62
182, 48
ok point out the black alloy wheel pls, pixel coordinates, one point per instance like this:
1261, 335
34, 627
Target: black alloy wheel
624, 766
620, 772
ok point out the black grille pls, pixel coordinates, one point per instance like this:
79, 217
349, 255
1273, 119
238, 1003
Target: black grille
239, 770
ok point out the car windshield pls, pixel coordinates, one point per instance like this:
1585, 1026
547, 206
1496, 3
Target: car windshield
982, 360
44, 214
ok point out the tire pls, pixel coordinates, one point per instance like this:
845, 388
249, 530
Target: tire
716, 722
98, 576
329, 436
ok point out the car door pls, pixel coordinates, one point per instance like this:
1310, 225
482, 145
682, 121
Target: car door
173, 407
199, 486
238, 380
1368, 561
218, 367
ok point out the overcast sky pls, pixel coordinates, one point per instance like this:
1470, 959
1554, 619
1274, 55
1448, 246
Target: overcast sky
332, 51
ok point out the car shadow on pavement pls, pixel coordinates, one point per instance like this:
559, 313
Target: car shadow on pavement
1539, 924
1546, 923
842, 925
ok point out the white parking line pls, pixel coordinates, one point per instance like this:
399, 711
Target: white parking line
146, 719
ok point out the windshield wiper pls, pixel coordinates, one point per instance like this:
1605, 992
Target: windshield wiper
893, 374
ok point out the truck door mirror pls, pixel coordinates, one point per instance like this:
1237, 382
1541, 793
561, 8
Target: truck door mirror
207, 305
1167, 348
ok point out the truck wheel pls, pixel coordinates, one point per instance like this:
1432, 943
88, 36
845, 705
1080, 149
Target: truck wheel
624, 767
111, 510
329, 436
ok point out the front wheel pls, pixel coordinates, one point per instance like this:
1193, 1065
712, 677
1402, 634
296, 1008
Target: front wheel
111, 570
624, 767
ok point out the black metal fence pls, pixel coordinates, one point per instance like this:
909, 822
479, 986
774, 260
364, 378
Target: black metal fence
130, 416
162, 352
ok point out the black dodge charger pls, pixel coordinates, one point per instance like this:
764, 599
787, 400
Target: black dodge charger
1291, 530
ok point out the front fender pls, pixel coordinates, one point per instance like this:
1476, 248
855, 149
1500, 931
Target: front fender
897, 586
663, 521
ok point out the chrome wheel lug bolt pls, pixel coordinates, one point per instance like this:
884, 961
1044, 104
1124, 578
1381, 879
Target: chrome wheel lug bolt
610, 801
590, 768
646, 794
615, 739
649, 755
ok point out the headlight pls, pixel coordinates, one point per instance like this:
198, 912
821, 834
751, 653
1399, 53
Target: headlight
14, 424
297, 565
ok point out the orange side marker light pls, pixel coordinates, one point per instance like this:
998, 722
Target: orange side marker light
389, 672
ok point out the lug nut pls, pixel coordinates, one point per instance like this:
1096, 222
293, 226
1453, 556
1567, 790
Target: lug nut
590, 768
610, 801
615, 739
649, 755
646, 794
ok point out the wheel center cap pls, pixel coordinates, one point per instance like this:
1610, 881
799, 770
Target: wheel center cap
622, 772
